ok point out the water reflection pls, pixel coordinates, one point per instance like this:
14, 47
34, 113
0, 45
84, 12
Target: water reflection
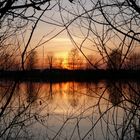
115, 92
31, 91
71, 110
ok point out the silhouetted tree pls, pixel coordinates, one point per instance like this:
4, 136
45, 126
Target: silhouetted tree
73, 58
106, 24
15, 15
60, 63
115, 92
32, 60
93, 61
7, 61
72, 97
133, 61
18, 18
80, 63
114, 59
50, 60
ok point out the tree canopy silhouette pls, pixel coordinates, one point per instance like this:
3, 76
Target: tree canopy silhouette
114, 59
106, 24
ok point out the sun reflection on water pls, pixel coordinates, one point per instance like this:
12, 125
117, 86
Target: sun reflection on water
70, 110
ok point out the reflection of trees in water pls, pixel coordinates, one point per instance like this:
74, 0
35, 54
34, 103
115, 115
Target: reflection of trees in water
11, 115
133, 98
115, 92
92, 90
73, 97
50, 91
134, 92
32, 90
125, 92
118, 120
5, 87
8, 91
123, 115
16, 114
60, 88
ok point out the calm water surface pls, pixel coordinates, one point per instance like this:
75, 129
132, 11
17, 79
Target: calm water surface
70, 111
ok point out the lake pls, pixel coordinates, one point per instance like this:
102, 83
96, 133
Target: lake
102, 110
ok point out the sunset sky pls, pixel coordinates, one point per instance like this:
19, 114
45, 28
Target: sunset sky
61, 44
51, 24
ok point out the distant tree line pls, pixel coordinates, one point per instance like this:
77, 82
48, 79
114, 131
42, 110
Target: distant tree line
116, 21
73, 61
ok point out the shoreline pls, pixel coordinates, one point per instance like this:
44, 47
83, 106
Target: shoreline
70, 75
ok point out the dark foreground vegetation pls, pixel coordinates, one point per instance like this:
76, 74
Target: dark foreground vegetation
56, 75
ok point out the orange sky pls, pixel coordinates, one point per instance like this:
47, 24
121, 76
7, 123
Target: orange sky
61, 44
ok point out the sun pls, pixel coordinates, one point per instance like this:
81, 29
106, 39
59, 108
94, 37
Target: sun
64, 57
65, 64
